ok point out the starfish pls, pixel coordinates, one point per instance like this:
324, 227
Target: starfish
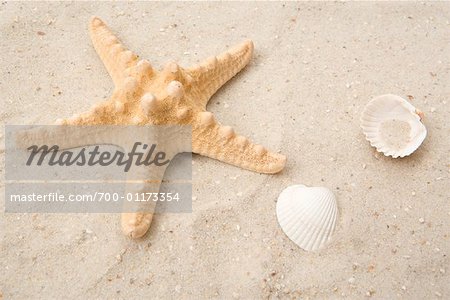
174, 95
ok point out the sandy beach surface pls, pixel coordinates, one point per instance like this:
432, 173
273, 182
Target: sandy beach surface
315, 67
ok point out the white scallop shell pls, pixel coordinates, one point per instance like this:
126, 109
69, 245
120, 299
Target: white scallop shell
391, 107
307, 215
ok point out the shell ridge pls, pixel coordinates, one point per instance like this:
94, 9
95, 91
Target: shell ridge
300, 217
307, 215
332, 227
315, 232
310, 226
324, 232
297, 206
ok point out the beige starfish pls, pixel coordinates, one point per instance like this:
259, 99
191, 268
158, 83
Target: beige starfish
173, 95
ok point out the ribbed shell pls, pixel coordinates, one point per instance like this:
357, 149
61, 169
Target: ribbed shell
307, 215
392, 107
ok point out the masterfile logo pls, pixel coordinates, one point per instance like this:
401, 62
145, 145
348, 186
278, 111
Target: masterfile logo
98, 168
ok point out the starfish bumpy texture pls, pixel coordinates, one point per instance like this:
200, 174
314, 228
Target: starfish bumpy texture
144, 96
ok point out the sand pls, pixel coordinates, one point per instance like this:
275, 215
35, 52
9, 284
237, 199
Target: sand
395, 133
315, 67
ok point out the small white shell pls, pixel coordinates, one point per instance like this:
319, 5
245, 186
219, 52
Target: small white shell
391, 107
307, 215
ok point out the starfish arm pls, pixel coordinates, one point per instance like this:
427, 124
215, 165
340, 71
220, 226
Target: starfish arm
136, 224
214, 72
221, 143
109, 112
116, 58
137, 216
66, 137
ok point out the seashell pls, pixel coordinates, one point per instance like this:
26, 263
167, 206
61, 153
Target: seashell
388, 110
307, 215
